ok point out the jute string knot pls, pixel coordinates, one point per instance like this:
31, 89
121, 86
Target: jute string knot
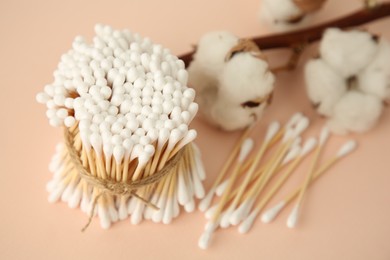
113, 187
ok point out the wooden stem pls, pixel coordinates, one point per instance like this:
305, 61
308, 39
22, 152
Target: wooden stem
312, 34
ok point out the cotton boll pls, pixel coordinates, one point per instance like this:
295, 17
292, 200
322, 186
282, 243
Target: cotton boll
375, 78
281, 14
232, 116
212, 49
281, 10
348, 52
199, 79
323, 85
245, 78
355, 112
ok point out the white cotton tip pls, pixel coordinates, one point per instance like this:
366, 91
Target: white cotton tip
271, 213
136, 216
324, 86
347, 52
190, 136
221, 188
104, 217
297, 142
206, 201
75, 199
246, 148
113, 214
210, 212
96, 142
292, 154
355, 112
118, 152
347, 148
190, 206
272, 130
42, 97
324, 135
293, 120
204, 240
168, 214
301, 126
182, 193
211, 226
68, 192
292, 219
225, 219
197, 186
176, 210
375, 78
308, 146
69, 121
122, 212
55, 195
241, 212
246, 225
288, 134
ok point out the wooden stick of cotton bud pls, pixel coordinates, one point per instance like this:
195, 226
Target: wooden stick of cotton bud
272, 130
246, 147
205, 203
293, 218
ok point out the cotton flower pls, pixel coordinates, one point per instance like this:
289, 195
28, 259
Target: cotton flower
350, 80
324, 86
347, 52
355, 112
234, 84
375, 78
288, 14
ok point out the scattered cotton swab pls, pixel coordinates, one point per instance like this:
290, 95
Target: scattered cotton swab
246, 147
293, 217
271, 213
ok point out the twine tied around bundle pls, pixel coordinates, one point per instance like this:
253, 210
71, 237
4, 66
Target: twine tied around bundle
113, 187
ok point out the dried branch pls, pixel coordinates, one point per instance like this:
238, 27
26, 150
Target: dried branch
312, 34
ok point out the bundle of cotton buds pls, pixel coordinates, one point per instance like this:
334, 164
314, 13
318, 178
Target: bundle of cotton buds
232, 79
288, 14
350, 80
125, 103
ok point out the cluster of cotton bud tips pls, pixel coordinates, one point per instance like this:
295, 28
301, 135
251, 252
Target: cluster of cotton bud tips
288, 14
126, 103
232, 79
350, 81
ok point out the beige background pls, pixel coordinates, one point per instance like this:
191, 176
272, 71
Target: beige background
346, 215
